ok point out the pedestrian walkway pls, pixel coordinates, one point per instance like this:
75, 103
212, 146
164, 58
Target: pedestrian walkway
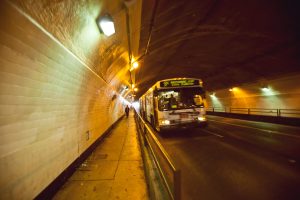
113, 171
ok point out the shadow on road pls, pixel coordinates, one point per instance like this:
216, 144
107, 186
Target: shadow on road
184, 133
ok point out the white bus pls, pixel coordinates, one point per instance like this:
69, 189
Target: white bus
174, 103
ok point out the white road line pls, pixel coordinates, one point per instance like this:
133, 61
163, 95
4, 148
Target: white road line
215, 134
269, 131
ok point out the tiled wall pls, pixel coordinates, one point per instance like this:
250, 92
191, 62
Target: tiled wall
48, 102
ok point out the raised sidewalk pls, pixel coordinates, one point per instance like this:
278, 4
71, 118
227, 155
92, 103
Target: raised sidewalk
113, 171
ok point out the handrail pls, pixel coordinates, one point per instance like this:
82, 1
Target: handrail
249, 111
175, 193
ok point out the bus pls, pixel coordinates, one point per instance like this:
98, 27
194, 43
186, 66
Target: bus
174, 103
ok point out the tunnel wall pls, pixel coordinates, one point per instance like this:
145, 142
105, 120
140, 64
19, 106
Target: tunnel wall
52, 106
283, 93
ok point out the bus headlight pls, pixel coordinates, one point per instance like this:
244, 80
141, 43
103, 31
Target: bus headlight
201, 118
165, 122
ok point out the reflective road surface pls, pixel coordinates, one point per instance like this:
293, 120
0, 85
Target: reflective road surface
237, 159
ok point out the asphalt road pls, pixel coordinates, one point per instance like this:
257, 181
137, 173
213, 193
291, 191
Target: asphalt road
234, 159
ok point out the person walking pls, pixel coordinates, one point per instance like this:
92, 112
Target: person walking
127, 110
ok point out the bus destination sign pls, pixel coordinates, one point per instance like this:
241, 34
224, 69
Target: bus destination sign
179, 83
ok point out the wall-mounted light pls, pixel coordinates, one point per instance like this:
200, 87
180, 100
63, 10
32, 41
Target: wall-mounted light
265, 89
212, 94
106, 25
268, 91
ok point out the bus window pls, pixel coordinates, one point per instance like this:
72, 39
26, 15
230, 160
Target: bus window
180, 98
198, 100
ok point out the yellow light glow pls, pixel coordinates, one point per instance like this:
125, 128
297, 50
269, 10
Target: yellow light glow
135, 89
132, 86
165, 122
201, 118
134, 66
233, 89
241, 97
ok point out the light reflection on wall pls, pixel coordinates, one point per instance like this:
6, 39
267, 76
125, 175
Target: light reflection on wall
280, 93
124, 101
90, 36
271, 98
239, 97
136, 105
267, 91
215, 101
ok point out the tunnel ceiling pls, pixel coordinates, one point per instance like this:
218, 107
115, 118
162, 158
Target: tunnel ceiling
224, 42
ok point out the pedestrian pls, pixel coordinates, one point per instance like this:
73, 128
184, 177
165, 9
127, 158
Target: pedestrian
127, 110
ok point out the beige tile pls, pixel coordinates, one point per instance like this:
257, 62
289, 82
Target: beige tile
84, 190
131, 153
133, 189
129, 170
96, 170
109, 155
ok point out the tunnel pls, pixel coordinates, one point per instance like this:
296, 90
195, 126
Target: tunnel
64, 85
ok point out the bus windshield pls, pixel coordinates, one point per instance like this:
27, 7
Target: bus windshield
180, 98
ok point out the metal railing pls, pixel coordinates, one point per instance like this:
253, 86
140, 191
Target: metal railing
167, 170
258, 111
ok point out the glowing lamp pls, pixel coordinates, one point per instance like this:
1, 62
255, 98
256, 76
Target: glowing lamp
106, 25
232, 89
134, 66
265, 89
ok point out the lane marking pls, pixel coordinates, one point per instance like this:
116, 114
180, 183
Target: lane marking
268, 131
292, 161
215, 134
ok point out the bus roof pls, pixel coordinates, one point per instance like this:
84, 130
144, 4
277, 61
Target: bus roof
176, 83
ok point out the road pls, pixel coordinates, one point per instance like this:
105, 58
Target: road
237, 159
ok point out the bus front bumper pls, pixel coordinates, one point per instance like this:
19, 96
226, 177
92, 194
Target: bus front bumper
183, 125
